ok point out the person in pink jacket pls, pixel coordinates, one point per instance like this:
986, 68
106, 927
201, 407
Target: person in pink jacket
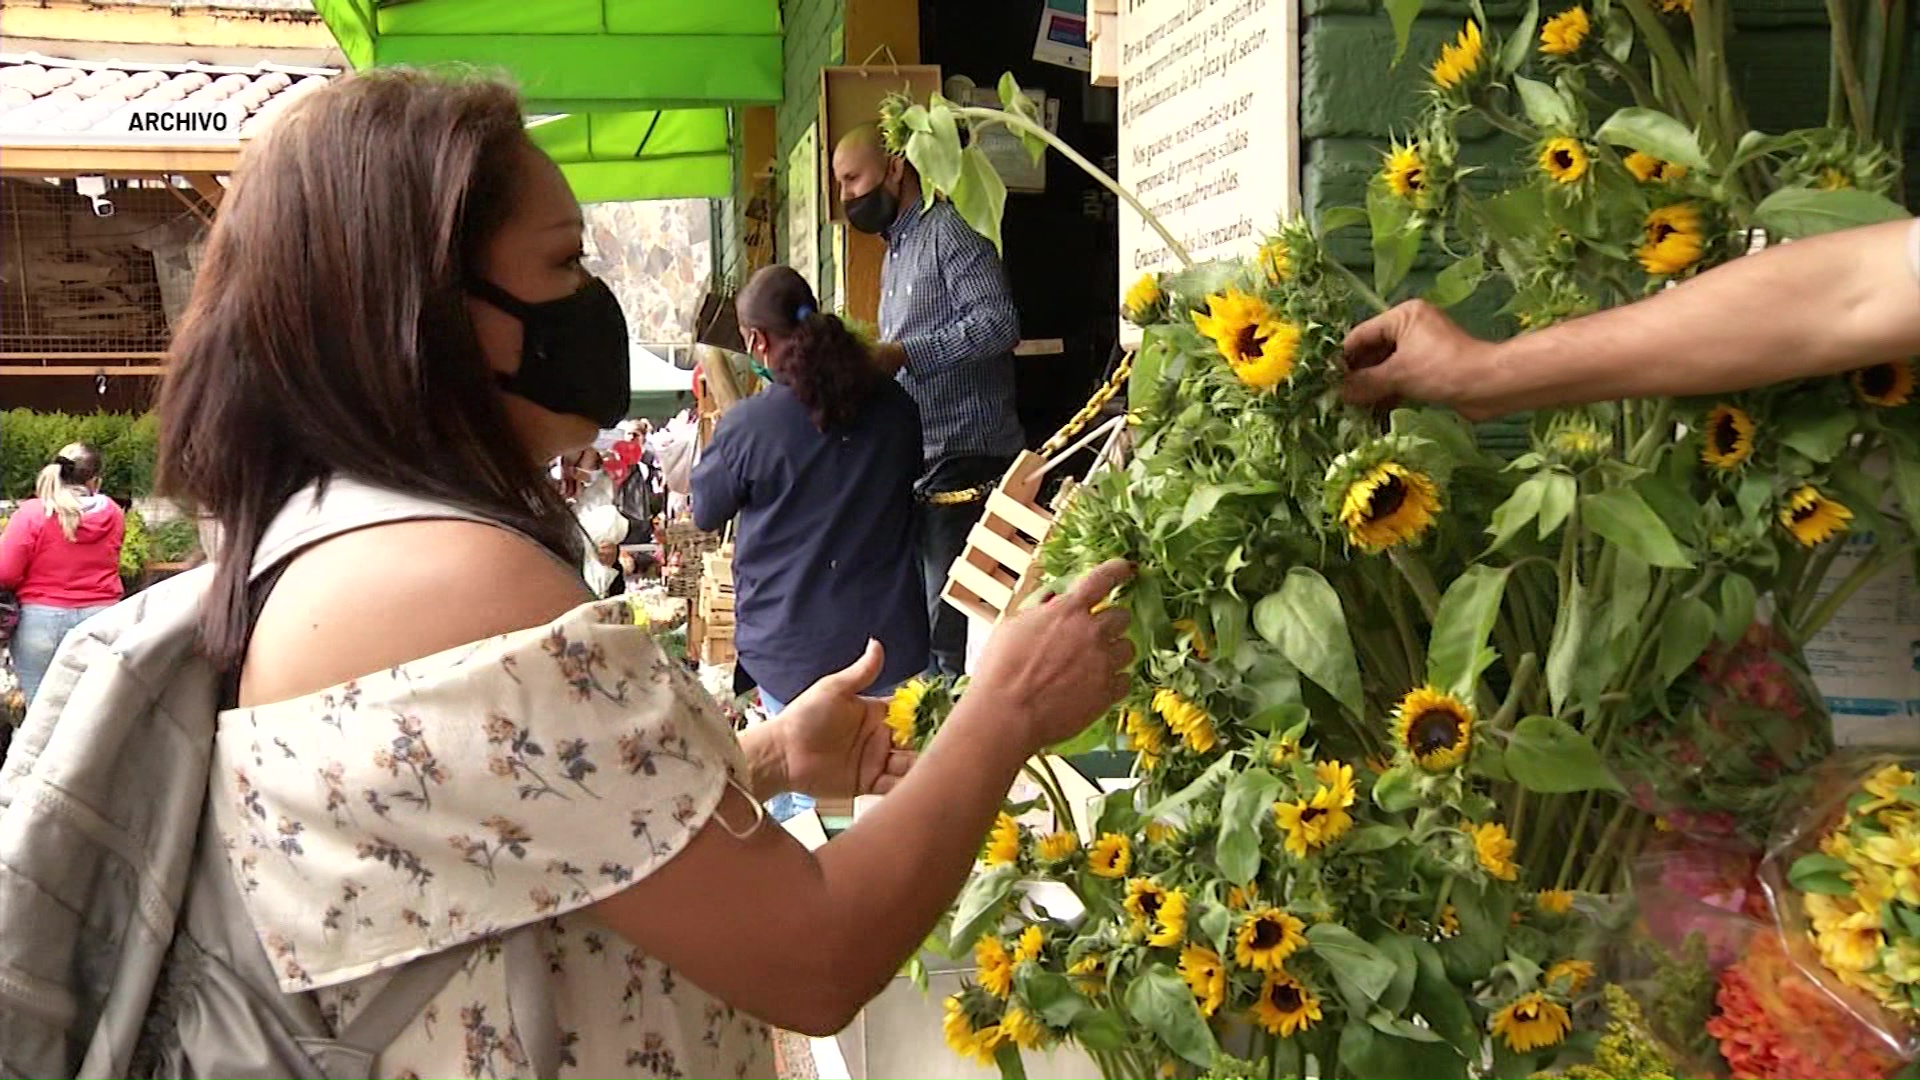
60, 555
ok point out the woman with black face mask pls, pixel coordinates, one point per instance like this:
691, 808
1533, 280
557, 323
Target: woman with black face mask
819, 469
420, 755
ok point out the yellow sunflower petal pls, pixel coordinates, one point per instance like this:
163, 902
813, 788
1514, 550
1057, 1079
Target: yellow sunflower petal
1729, 438
1434, 728
1886, 386
1563, 34
1564, 159
1389, 505
1531, 1022
1285, 1006
1812, 518
1674, 240
1460, 59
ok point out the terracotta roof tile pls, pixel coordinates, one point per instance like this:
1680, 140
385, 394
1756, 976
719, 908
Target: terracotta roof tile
52, 99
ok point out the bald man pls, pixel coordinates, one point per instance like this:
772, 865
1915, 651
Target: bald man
948, 328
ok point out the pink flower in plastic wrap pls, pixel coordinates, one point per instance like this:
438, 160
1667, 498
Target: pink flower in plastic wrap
1773, 1024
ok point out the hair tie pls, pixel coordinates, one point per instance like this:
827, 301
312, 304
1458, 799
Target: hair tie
800, 313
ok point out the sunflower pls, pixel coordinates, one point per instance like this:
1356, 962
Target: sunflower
1582, 442
1003, 845
1336, 778
1238, 899
1090, 973
1888, 385
1651, 170
1564, 33
1141, 305
1259, 345
1729, 441
1434, 728
1169, 921
1554, 901
1143, 902
1285, 1006
1159, 832
903, 708
1275, 262
993, 966
966, 1040
1313, 823
1564, 159
1494, 850
1531, 1022
1057, 847
1676, 7
1032, 940
1267, 938
1449, 921
1188, 626
1112, 856
1283, 750
1832, 179
1459, 60
1576, 973
1406, 174
1019, 1025
1674, 240
1187, 720
1206, 976
1389, 505
1812, 518
1144, 736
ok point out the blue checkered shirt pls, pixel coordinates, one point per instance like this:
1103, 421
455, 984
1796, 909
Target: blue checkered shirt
944, 299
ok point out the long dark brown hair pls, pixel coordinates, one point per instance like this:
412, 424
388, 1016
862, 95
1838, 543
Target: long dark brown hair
328, 333
824, 364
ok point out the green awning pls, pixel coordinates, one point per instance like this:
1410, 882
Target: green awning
644, 85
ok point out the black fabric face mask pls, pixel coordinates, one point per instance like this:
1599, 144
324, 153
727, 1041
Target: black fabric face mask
874, 211
573, 351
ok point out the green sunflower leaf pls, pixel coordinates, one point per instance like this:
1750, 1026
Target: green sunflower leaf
1545, 106
1520, 43
1818, 431
1363, 972
935, 153
1402, 12
1791, 213
1396, 237
1012, 1065
1160, 1001
1906, 485
1100, 1031
1244, 809
1458, 651
1651, 131
980, 907
1738, 599
1519, 511
1569, 642
980, 195
1441, 1003
1621, 516
1547, 755
1685, 632
1395, 791
1305, 621
1457, 282
1562, 491
1335, 218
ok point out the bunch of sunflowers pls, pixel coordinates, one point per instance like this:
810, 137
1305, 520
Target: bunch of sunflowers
1389, 684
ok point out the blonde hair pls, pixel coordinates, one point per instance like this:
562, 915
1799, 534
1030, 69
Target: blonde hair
70, 471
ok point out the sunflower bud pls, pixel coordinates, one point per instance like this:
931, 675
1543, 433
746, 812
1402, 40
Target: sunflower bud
1144, 303
893, 127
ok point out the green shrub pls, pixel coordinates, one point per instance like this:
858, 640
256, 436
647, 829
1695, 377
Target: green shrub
175, 541
136, 549
128, 445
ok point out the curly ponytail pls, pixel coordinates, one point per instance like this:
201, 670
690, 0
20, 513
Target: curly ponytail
825, 365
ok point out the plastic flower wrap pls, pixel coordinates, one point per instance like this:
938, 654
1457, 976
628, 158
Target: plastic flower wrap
1843, 886
1732, 748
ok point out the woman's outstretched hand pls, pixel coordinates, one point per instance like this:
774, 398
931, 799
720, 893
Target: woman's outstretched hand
1057, 667
836, 744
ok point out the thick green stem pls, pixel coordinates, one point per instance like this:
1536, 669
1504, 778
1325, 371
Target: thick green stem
1668, 64
1027, 127
1420, 581
1523, 676
1604, 855
1373, 299
1659, 431
1869, 568
1846, 64
1643, 94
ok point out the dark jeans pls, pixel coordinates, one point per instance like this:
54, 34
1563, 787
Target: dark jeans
943, 536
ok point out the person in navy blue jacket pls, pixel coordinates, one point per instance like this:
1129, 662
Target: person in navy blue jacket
820, 471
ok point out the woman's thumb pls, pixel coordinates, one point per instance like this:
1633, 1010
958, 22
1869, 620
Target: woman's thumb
860, 674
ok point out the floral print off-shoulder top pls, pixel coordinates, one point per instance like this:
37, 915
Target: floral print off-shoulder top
509, 782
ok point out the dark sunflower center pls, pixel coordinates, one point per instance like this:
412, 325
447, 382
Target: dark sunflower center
1527, 1013
1150, 905
1387, 498
1877, 381
1250, 341
1658, 172
1658, 233
1803, 513
1267, 933
1432, 732
1726, 435
1284, 996
1563, 160
1416, 178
